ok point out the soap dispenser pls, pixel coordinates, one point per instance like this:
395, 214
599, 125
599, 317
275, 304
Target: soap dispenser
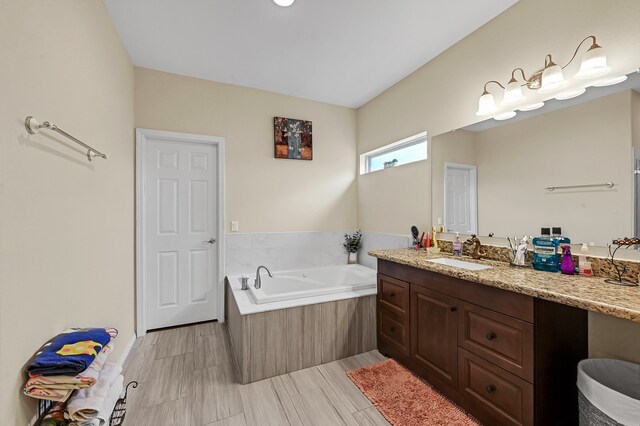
457, 245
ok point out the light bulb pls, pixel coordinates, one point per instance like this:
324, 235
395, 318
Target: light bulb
611, 81
512, 93
486, 104
552, 79
505, 115
532, 106
570, 94
594, 63
283, 3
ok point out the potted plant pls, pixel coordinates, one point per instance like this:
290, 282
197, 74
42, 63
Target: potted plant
353, 243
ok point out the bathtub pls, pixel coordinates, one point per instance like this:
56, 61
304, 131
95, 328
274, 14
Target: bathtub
298, 284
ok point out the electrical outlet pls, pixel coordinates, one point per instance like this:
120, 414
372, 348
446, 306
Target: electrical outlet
235, 226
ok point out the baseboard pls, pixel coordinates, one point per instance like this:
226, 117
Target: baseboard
127, 349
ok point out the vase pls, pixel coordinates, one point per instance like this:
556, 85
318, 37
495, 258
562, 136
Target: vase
353, 258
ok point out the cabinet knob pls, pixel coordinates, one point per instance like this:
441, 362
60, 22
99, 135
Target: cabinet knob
453, 309
491, 336
490, 388
392, 294
393, 329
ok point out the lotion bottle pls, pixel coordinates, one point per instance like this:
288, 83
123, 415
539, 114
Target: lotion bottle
457, 245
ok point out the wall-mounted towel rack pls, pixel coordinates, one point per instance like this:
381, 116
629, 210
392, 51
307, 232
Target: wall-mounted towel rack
33, 126
595, 185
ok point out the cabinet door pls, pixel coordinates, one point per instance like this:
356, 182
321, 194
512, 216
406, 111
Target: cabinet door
434, 327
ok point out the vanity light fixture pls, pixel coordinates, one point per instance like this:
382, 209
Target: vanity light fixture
611, 81
504, 116
532, 107
284, 3
550, 79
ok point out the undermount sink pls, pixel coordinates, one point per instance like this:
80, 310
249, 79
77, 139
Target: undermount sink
469, 266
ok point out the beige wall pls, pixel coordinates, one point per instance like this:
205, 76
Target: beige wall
443, 94
263, 193
66, 225
582, 144
451, 147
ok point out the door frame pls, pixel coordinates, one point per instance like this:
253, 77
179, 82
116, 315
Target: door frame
473, 184
142, 136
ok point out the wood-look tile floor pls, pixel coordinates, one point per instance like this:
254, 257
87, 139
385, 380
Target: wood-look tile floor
187, 377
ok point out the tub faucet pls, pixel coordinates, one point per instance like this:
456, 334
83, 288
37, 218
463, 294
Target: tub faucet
477, 251
257, 283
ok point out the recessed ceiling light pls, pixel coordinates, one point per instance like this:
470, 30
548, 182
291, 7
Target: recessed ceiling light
283, 3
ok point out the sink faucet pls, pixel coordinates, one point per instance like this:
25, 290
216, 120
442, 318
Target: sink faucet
257, 283
477, 251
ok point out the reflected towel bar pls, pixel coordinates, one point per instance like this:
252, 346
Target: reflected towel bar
33, 126
595, 185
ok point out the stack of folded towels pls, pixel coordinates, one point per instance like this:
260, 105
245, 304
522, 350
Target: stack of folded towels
71, 369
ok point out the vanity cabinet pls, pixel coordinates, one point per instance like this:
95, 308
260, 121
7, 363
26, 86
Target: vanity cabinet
434, 341
507, 358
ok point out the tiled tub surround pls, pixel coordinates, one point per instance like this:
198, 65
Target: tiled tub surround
267, 343
283, 250
590, 293
299, 250
377, 241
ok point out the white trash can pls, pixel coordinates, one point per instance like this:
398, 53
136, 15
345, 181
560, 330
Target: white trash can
608, 392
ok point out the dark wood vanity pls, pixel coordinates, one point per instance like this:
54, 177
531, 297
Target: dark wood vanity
507, 358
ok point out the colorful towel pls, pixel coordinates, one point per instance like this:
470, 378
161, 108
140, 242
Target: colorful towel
55, 417
86, 404
58, 388
70, 352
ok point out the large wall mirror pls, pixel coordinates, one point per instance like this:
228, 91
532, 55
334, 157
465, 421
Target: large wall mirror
493, 177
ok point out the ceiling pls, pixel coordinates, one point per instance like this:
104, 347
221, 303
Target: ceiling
334, 51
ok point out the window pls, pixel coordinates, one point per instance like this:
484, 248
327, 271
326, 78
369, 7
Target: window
406, 151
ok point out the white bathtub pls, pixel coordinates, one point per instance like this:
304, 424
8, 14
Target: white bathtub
289, 285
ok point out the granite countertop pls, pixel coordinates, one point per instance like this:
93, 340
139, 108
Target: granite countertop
590, 293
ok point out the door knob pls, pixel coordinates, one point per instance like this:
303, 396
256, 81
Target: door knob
210, 241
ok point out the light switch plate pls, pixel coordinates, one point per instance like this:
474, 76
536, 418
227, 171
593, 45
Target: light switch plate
235, 226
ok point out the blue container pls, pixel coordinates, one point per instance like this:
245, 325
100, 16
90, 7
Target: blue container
546, 256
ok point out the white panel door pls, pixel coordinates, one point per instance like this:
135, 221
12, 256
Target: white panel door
181, 222
460, 198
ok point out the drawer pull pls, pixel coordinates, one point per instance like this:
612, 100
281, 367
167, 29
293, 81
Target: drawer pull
490, 388
453, 309
491, 336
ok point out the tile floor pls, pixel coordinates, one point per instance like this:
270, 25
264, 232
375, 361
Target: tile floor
186, 377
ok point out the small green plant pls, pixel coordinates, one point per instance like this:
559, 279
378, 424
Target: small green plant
352, 242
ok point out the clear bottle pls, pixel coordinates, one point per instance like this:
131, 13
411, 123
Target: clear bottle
582, 258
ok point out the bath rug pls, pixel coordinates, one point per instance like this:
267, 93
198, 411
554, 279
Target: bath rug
405, 400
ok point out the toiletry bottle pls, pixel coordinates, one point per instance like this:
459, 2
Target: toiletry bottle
582, 259
428, 242
545, 250
457, 245
434, 240
567, 268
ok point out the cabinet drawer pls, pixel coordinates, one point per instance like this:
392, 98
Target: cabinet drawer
393, 294
500, 339
494, 395
393, 329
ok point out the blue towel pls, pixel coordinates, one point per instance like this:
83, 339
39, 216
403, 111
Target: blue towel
69, 353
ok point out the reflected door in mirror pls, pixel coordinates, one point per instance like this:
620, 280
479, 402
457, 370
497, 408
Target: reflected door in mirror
460, 193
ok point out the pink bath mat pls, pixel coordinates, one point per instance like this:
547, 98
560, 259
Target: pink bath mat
405, 400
